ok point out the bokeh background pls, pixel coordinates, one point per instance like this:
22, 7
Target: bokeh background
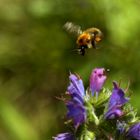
36, 57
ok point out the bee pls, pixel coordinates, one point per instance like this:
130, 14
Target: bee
86, 39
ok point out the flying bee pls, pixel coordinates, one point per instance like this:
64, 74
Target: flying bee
86, 39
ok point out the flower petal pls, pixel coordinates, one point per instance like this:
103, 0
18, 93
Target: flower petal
77, 98
97, 79
76, 112
113, 113
76, 85
134, 132
116, 101
64, 136
121, 126
118, 97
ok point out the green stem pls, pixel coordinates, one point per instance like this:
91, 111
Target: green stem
95, 118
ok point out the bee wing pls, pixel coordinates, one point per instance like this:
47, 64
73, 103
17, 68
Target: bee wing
72, 28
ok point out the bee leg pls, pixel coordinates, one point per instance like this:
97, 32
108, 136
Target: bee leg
94, 44
82, 52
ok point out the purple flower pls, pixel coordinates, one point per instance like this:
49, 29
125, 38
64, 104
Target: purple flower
76, 85
117, 100
113, 113
76, 89
64, 136
134, 132
97, 80
75, 106
76, 112
118, 97
121, 125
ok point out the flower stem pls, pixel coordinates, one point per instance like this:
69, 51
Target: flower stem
95, 118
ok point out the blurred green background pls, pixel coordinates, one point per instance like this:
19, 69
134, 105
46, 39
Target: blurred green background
36, 57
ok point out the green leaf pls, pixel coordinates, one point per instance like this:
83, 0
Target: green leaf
87, 135
102, 98
130, 114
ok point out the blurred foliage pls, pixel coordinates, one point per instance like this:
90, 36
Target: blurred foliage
36, 56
